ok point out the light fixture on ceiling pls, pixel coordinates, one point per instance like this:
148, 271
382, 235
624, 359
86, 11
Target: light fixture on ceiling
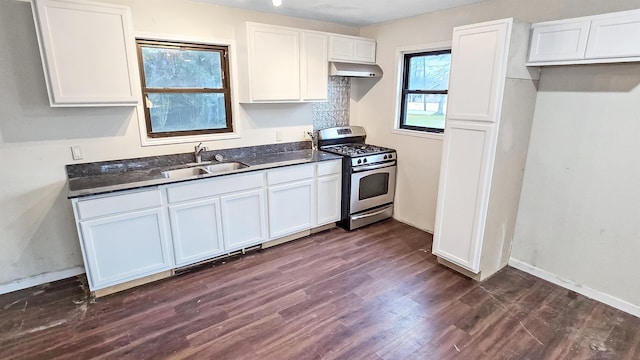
276, 2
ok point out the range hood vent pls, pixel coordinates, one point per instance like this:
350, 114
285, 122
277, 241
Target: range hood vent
355, 70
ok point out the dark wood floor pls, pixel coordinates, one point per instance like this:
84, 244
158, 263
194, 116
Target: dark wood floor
374, 293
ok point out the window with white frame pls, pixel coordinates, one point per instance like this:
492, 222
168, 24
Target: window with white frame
425, 83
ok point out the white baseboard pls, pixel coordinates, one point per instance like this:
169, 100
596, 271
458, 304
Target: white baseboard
40, 279
404, 221
580, 289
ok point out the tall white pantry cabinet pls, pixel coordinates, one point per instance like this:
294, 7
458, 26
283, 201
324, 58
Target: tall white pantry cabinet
491, 101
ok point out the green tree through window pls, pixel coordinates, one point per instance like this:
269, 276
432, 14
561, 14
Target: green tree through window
185, 88
425, 86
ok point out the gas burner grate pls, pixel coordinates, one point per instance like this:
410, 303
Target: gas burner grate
355, 149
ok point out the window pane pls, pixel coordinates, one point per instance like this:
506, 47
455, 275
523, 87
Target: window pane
175, 68
429, 72
184, 112
426, 110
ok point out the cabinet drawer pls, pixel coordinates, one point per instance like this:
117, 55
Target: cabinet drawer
114, 204
329, 167
291, 173
207, 188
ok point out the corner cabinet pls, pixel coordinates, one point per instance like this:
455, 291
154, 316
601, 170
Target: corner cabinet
280, 64
351, 49
491, 101
88, 53
606, 38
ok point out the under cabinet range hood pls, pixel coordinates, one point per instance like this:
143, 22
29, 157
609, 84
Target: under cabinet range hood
354, 70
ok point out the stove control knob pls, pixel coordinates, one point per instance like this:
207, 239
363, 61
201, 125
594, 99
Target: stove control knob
385, 157
364, 160
390, 156
359, 161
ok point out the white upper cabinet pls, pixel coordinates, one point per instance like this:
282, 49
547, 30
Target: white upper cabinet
477, 54
343, 48
315, 70
280, 64
602, 38
88, 53
274, 55
614, 36
565, 41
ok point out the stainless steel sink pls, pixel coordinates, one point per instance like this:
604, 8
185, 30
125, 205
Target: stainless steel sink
224, 167
196, 170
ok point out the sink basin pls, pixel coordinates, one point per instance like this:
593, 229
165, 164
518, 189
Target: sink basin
196, 170
223, 167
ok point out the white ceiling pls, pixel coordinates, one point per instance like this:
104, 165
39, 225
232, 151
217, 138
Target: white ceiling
347, 12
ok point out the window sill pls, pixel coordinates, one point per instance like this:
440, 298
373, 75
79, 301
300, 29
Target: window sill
188, 139
422, 134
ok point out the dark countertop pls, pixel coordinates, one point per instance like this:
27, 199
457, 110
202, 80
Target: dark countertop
101, 178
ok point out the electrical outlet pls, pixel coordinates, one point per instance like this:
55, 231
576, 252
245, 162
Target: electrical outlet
278, 135
76, 152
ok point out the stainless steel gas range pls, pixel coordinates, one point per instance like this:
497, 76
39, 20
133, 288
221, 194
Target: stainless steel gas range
368, 175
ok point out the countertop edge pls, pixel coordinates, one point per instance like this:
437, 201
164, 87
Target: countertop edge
317, 156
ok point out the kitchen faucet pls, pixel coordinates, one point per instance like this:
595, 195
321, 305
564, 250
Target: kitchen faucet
314, 140
198, 149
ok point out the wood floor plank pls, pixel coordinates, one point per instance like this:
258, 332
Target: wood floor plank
374, 293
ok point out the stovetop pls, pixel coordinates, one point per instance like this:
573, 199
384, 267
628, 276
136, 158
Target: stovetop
355, 149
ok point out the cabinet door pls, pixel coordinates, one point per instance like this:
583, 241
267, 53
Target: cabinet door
244, 219
614, 37
477, 71
125, 247
365, 51
328, 200
291, 208
463, 193
275, 63
196, 230
559, 41
87, 52
341, 48
315, 66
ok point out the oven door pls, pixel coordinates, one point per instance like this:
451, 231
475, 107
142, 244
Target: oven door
372, 185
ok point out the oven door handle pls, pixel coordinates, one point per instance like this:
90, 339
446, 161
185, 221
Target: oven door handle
373, 167
358, 217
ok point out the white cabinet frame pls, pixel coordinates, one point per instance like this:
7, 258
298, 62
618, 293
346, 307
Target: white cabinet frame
88, 53
605, 38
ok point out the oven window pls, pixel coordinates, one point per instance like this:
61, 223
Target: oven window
373, 185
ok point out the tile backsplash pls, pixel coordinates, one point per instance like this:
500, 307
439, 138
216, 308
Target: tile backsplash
335, 111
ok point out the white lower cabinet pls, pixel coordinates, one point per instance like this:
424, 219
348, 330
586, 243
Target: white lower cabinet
291, 199
244, 219
328, 192
291, 208
129, 235
125, 247
462, 200
196, 230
